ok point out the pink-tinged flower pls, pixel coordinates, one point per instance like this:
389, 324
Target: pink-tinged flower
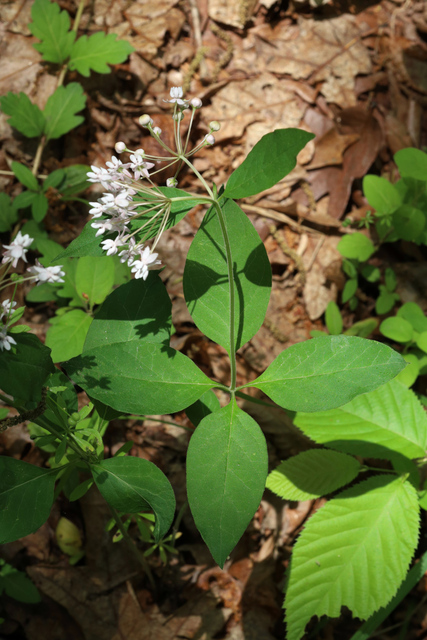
111, 246
5, 340
17, 249
6, 307
140, 166
146, 262
47, 274
176, 94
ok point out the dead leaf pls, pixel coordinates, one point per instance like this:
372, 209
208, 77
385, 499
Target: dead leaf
330, 148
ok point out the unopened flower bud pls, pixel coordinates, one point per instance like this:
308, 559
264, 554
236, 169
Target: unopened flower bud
196, 103
157, 131
178, 116
171, 182
209, 139
120, 147
214, 125
140, 152
145, 120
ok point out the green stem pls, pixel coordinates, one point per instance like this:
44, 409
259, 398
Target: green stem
132, 546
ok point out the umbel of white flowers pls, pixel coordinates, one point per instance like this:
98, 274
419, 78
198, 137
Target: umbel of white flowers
127, 198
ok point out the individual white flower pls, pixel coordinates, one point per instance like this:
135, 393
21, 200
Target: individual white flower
176, 94
102, 227
100, 174
47, 274
17, 249
111, 246
99, 208
5, 340
6, 307
139, 166
129, 254
147, 261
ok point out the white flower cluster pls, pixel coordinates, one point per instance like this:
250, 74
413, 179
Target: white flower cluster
6, 308
127, 199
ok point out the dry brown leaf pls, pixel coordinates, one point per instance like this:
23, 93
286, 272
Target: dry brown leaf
330, 148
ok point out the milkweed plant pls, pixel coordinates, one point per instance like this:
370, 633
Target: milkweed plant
333, 386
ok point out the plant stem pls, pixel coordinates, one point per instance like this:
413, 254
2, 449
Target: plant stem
132, 546
38, 156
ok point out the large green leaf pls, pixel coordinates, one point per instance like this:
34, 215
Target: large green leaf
318, 375
312, 474
207, 403
97, 51
353, 552
67, 334
95, 278
51, 26
61, 108
387, 422
226, 472
141, 378
271, 159
131, 484
24, 369
137, 310
26, 117
206, 286
87, 244
26, 497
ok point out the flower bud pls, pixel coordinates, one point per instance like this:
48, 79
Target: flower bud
120, 147
157, 131
178, 116
214, 125
140, 152
145, 120
196, 103
209, 139
171, 182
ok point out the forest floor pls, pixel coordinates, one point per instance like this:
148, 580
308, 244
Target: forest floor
353, 72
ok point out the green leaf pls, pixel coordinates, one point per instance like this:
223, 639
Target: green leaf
18, 586
409, 223
412, 163
39, 207
318, 375
26, 497
144, 378
208, 403
26, 117
24, 199
130, 484
8, 213
61, 403
382, 424
96, 52
87, 244
370, 273
66, 336
411, 312
381, 194
363, 328
24, 369
271, 159
312, 474
75, 180
51, 26
333, 319
390, 280
421, 341
411, 372
385, 301
25, 177
206, 286
61, 108
356, 246
94, 278
349, 290
226, 473
354, 552
138, 310
397, 329
349, 268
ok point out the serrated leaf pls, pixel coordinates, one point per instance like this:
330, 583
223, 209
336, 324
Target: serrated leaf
318, 375
226, 472
130, 484
312, 474
387, 422
61, 108
51, 26
96, 52
141, 378
26, 117
354, 552
271, 159
26, 497
206, 285
25, 176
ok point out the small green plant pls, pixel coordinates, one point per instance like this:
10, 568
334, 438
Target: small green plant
17, 585
355, 550
334, 324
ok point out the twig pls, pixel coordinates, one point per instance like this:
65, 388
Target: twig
197, 32
26, 415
